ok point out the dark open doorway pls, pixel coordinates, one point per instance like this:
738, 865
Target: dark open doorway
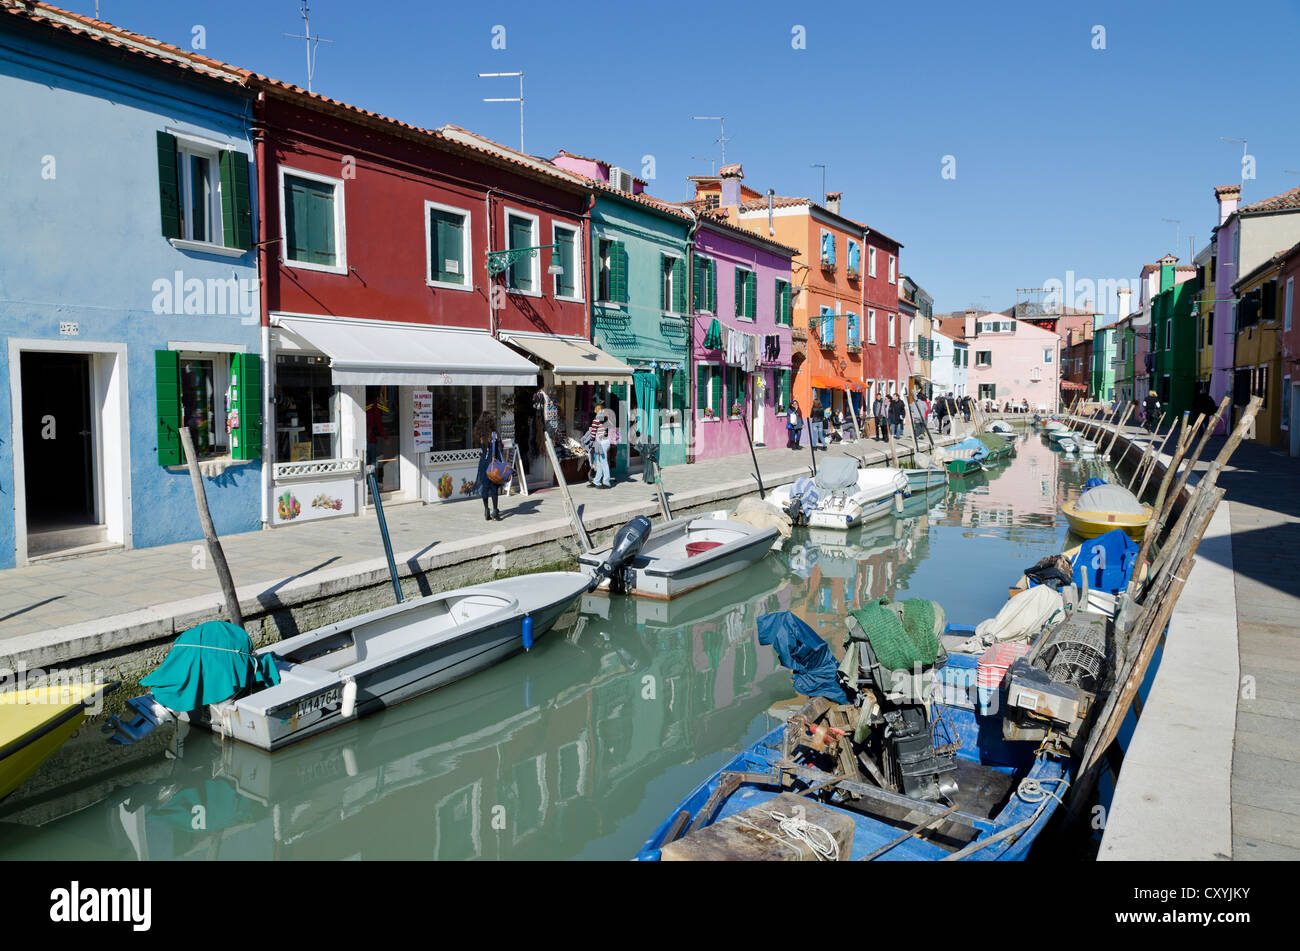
58, 441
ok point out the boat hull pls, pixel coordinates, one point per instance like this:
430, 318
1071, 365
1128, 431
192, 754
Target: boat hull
36, 722
1092, 524
314, 703
923, 479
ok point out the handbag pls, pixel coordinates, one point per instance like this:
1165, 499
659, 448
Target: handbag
498, 472
614, 436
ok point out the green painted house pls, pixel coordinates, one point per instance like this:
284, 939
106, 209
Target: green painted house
1173, 339
639, 307
1104, 351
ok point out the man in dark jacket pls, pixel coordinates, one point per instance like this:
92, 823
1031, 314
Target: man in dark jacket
878, 410
897, 413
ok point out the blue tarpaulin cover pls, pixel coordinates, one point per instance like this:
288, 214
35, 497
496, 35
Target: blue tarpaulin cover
208, 664
799, 648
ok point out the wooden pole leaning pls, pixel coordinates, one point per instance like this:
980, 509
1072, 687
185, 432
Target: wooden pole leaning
209, 530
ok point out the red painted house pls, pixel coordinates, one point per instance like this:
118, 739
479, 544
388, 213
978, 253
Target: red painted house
384, 320
885, 362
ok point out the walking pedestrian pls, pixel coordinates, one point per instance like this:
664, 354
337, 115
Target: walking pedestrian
817, 416
897, 413
878, 410
1151, 406
941, 413
793, 425
485, 437
598, 433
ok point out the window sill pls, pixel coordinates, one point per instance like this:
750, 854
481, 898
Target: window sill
212, 467
447, 285
306, 266
205, 247
707, 419
520, 292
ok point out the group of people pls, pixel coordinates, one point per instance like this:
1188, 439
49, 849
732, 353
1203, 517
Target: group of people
826, 426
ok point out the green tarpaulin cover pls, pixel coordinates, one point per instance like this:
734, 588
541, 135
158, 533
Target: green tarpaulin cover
208, 664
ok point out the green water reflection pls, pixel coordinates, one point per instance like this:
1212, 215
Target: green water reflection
574, 750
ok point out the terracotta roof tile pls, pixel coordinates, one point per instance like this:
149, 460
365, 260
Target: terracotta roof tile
1283, 202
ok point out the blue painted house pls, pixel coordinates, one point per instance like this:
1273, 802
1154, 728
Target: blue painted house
129, 304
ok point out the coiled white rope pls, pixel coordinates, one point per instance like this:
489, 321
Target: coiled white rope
1033, 791
817, 838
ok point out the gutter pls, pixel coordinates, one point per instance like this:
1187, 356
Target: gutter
688, 411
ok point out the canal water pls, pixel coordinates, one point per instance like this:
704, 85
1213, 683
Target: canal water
575, 750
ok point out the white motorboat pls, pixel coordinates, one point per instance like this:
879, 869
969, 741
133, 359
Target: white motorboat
842, 496
668, 560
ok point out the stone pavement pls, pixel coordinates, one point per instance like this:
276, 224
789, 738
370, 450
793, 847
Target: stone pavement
94, 600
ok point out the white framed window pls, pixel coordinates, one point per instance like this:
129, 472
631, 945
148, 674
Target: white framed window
312, 221
984, 358
893, 269
524, 275
568, 255
1047, 355
447, 247
1288, 304
871, 262
746, 287
893, 330
871, 326
200, 184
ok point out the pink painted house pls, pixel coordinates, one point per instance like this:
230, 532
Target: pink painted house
1012, 360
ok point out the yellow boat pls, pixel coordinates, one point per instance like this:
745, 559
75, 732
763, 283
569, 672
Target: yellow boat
36, 721
1092, 524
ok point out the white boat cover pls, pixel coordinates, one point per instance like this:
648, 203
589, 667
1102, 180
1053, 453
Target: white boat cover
1020, 618
837, 473
1109, 498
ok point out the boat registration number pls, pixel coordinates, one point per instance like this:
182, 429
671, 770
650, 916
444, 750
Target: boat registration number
312, 704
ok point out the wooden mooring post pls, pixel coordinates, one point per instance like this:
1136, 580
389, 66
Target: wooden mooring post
209, 530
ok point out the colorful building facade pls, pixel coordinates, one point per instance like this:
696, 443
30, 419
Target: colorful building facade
1013, 362
1173, 337
129, 301
1257, 362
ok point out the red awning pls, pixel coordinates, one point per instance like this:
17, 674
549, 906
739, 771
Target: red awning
1070, 385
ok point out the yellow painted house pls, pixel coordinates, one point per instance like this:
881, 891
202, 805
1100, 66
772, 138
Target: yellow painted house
1257, 365
1206, 266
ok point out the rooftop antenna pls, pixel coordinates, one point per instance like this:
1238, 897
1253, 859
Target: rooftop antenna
823, 168
1244, 153
722, 137
1178, 231
713, 163
519, 99
312, 41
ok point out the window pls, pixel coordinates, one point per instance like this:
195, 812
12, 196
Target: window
892, 331
984, 358
311, 221
613, 272
705, 284
204, 193
568, 283
746, 287
448, 246
911, 330
826, 327
893, 269
828, 250
672, 294
871, 262
521, 232
854, 258
737, 390
201, 392
987, 391
851, 329
1048, 355
1259, 385
783, 310
1288, 304
306, 409
871, 326
708, 390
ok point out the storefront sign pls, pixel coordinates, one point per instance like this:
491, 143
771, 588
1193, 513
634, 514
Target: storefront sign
422, 419
308, 501
324, 429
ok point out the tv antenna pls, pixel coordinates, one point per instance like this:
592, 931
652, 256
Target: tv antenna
312, 42
1178, 231
713, 163
519, 99
722, 136
823, 168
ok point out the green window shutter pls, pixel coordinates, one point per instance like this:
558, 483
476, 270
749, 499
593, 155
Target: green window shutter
236, 208
697, 284
169, 186
751, 295
521, 272
679, 391
246, 399
701, 386
787, 385
167, 386
618, 275
713, 286
664, 302
739, 283
679, 286
716, 376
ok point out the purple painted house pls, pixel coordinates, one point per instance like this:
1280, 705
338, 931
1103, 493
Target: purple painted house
740, 346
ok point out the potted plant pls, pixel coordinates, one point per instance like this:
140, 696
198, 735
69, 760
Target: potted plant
737, 408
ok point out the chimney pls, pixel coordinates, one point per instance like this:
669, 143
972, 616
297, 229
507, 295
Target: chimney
833, 201
970, 324
1124, 293
1228, 197
731, 176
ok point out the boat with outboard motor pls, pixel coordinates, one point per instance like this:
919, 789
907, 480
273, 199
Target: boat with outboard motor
675, 557
842, 496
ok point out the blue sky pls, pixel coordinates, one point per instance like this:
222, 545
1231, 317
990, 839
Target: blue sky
1066, 157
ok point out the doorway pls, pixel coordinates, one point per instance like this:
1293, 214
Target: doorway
757, 405
383, 438
59, 470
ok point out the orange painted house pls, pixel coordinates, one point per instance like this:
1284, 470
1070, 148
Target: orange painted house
830, 328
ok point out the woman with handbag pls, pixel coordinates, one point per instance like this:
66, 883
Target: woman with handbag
793, 425
599, 433
490, 463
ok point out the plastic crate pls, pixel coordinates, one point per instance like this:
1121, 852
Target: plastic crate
992, 670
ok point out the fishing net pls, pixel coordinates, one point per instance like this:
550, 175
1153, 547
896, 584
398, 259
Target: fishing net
902, 636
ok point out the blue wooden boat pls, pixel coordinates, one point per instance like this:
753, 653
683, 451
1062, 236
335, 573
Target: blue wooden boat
966, 771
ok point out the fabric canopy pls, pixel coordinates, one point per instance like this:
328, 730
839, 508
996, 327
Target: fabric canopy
570, 360
381, 353
1071, 385
837, 383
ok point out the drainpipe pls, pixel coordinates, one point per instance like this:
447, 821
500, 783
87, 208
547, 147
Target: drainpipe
264, 301
688, 412
491, 285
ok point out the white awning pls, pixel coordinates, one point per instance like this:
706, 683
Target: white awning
570, 360
383, 353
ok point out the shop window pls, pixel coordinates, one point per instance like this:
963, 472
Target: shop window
306, 409
455, 408
312, 221
383, 437
449, 249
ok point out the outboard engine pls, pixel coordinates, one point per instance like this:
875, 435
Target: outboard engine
618, 566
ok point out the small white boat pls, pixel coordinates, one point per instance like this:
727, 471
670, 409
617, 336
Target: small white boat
340, 672
1005, 430
678, 556
845, 496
